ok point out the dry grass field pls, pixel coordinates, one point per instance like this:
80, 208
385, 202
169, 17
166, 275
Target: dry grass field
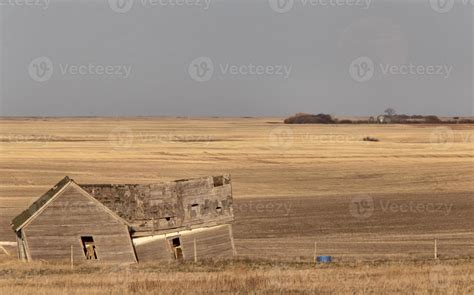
293, 185
240, 277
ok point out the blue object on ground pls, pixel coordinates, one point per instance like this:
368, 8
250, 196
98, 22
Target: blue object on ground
323, 259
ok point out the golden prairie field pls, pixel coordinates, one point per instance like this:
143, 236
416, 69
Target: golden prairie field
240, 277
293, 185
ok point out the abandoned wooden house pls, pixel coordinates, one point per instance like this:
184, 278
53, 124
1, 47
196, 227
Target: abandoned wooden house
180, 220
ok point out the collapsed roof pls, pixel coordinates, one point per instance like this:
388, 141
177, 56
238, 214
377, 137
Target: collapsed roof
186, 203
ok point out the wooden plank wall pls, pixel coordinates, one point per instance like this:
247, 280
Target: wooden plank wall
156, 251
66, 219
213, 195
165, 206
211, 243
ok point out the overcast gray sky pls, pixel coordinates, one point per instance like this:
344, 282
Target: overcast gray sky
236, 58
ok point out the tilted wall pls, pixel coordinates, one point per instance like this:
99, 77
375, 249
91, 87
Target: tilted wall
214, 242
167, 206
71, 215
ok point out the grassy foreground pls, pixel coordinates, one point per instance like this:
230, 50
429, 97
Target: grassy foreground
240, 276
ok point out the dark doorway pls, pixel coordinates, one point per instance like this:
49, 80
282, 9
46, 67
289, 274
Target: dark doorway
175, 244
88, 246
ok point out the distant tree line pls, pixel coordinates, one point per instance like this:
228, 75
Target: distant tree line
389, 117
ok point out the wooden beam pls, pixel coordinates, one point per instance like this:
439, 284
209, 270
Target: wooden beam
231, 234
314, 254
195, 252
4, 250
25, 245
72, 257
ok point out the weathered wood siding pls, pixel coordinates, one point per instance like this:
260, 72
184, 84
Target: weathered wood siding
212, 242
156, 251
205, 201
72, 215
213, 197
20, 249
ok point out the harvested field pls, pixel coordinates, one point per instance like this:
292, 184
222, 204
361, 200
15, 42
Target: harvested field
418, 179
287, 228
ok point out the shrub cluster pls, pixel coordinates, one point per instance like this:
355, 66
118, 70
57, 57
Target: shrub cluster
368, 138
302, 118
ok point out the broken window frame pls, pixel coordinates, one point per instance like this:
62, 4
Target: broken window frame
84, 244
218, 181
176, 249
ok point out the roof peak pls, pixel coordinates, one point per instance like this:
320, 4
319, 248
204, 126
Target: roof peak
19, 220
